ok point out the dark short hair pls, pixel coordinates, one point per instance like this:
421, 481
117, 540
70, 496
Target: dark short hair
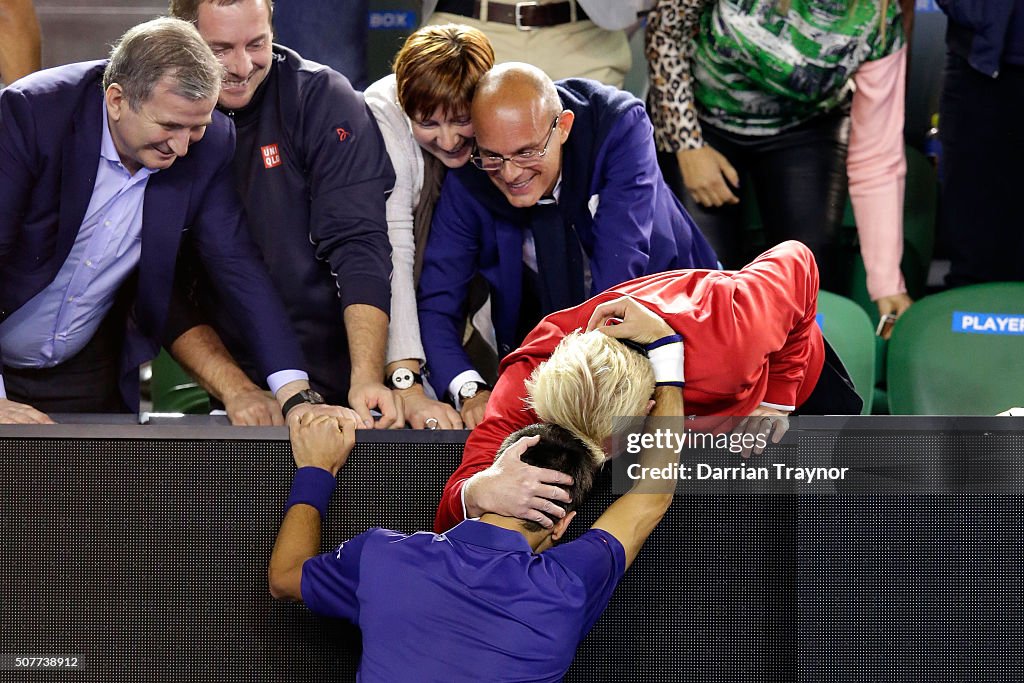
558, 449
189, 9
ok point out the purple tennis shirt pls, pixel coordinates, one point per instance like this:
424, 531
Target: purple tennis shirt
472, 604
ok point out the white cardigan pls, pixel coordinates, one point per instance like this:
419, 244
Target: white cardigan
407, 159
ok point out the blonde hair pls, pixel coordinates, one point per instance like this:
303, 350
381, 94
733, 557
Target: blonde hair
590, 380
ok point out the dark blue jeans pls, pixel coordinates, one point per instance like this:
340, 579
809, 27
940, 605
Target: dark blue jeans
332, 32
799, 180
981, 126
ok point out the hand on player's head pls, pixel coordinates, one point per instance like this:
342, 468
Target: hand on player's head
512, 488
625, 318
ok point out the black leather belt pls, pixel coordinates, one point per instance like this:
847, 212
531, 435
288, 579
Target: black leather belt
525, 16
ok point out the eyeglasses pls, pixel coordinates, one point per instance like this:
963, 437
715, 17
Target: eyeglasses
531, 157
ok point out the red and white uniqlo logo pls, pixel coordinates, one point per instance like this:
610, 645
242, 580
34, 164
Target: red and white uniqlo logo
271, 156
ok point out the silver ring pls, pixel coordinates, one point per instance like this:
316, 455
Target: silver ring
430, 420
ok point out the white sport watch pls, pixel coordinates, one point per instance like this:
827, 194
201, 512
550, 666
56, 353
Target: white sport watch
403, 378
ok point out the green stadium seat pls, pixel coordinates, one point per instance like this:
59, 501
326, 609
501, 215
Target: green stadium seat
848, 328
173, 391
919, 210
959, 352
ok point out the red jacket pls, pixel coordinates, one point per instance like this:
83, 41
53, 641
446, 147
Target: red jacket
750, 337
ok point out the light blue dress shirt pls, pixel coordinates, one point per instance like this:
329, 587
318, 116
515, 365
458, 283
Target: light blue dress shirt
59, 321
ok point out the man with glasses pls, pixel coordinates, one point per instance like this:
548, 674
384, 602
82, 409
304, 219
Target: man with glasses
564, 199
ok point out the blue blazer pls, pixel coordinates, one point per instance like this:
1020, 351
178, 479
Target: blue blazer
986, 33
50, 132
627, 219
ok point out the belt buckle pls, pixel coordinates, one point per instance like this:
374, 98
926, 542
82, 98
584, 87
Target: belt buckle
519, 16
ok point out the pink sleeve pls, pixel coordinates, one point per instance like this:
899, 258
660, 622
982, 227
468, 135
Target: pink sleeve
877, 168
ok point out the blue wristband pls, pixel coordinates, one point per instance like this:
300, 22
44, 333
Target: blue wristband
312, 486
670, 339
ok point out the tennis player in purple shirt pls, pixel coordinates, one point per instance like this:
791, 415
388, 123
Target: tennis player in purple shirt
490, 599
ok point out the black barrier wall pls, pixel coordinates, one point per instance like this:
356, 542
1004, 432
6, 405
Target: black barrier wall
142, 551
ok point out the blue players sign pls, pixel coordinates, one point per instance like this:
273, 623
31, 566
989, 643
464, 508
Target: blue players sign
988, 323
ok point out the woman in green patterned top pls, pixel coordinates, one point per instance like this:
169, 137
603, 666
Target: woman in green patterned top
785, 94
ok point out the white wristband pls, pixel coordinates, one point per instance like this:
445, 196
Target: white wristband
666, 356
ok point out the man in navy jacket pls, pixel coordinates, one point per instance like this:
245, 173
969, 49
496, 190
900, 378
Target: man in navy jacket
96, 192
548, 218
313, 174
